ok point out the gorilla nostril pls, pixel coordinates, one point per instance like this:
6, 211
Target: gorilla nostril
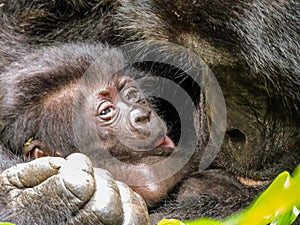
142, 119
236, 136
140, 116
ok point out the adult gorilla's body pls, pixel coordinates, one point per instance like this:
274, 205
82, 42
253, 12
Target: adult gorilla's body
255, 60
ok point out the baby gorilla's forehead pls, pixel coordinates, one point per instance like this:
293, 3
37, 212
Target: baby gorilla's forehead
111, 88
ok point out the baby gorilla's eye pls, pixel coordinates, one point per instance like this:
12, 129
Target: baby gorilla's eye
106, 110
132, 94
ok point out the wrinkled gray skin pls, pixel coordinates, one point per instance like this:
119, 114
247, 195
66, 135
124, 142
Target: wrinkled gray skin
91, 196
251, 46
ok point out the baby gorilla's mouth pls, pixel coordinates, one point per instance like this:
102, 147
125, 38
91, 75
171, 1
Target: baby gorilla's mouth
165, 141
161, 148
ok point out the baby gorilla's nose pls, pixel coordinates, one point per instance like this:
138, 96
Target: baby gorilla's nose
146, 129
140, 117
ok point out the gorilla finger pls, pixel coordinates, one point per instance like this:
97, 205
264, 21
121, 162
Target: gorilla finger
78, 177
30, 174
105, 207
134, 207
73, 186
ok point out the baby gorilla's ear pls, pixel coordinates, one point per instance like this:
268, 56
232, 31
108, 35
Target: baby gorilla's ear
34, 149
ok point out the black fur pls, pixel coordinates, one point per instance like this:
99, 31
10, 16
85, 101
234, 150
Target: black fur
251, 46
34, 94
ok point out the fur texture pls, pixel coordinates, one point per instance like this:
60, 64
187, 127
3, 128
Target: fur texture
251, 46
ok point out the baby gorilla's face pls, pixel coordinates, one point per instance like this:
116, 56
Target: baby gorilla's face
125, 116
122, 133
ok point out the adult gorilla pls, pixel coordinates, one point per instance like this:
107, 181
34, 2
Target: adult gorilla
250, 46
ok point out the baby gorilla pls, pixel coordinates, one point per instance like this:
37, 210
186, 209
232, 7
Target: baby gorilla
79, 98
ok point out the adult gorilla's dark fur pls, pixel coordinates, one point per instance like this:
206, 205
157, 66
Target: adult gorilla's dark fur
251, 46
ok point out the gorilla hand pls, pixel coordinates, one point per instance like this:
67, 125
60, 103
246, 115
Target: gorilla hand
52, 190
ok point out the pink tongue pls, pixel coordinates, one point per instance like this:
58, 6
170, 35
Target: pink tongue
167, 142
